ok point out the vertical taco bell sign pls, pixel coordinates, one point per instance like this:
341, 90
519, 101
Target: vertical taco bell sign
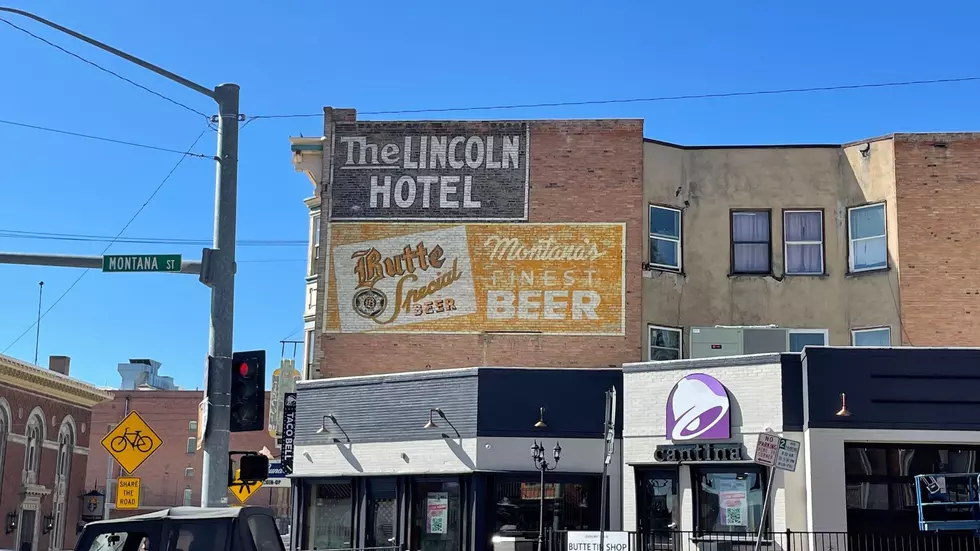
698, 408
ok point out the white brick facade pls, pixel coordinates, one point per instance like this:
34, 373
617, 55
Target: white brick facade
754, 385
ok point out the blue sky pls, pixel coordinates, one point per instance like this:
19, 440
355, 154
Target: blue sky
296, 58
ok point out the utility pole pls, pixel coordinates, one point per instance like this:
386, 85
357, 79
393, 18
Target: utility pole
216, 269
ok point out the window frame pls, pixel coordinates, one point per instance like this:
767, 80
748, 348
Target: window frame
187, 499
188, 472
697, 468
824, 332
679, 241
873, 329
822, 242
680, 340
314, 254
732, 243
191, 445
192, 426
850, 239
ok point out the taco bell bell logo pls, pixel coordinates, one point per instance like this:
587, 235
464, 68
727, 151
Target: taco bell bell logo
698, 408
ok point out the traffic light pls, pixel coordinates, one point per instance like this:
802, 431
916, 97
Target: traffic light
248, 391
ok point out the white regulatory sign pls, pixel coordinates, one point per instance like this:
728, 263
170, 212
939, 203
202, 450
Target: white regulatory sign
766, 449
789, 452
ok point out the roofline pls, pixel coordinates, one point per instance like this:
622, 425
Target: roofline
701, 363
50, 383
376, 378
752, 146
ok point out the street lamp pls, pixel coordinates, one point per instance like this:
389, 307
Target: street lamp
217, 270
542, 465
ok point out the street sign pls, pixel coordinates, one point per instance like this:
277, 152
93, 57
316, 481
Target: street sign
288, 432
128, 492
789, 452
241, 490
277, 476
283, 382
766, 449
131, 442
141, 263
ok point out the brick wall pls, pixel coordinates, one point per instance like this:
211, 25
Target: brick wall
938, 180
580, 171
162, 476
21, 404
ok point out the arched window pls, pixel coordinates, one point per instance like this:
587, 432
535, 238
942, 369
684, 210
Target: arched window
32, 451
66, 446
4, 432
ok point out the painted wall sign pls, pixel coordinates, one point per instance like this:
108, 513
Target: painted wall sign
550, 278
683, 453
430, 171
698, 408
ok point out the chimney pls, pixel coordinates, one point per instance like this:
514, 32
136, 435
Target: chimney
59, 364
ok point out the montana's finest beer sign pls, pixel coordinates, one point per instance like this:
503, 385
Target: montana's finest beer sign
430, 171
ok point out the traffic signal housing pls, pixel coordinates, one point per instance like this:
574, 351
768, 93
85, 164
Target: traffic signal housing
248, 391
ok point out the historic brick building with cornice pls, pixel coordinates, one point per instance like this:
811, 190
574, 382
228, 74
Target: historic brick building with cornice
45, 423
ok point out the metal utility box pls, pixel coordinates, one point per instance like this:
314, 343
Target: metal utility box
713, 342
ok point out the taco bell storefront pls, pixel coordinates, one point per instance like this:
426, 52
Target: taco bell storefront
689, 435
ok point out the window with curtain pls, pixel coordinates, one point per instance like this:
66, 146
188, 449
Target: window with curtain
803, 240
877, 336
868, 241
665, 343
66, 445
665, 238
729, 499
751, 243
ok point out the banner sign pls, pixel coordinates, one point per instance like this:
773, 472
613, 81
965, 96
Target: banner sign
430, 171
288, 432
557, 279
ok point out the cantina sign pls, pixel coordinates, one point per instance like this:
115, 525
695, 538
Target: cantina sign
547, 278
430, 171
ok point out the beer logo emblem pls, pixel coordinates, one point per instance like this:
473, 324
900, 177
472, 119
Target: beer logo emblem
369, 303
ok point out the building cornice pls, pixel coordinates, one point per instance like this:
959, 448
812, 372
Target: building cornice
32, 378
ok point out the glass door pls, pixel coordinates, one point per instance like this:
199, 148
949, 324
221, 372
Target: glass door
658, 511
436, 515
382, 513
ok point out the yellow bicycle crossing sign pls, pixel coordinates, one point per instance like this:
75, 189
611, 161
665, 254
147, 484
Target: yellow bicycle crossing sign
131, 442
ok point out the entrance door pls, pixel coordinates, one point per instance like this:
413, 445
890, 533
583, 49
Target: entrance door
382, 514
657, 508
27, 519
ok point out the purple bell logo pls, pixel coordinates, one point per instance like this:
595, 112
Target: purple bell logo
698, 408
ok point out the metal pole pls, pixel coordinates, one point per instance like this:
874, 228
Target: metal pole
214, 483
542, 467
765, 505
609, 439
37, 334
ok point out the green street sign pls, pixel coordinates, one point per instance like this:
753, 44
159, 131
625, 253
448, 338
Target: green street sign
141, 263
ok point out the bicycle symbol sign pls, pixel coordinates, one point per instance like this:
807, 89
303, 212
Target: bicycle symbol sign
131, 442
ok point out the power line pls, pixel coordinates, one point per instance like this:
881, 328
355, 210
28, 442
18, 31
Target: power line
645, 100
128, 223
46, 236
109, 140
101, 68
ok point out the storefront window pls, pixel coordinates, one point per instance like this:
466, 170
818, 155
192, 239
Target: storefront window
382, 512
436, 515
570, 503
330, 515
729, 499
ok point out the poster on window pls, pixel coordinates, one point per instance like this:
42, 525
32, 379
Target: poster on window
437, 512
732, 502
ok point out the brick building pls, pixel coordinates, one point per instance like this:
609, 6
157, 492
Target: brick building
45, 422
533, 230
172, 475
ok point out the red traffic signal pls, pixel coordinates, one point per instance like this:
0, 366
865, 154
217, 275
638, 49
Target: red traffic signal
248, 391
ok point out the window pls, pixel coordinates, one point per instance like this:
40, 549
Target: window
189, 472
867, 238
665, 238
66, 445
665, 343
798, 338
265, 535
4, 432
570, 503
191, 445
188, 496
310, 351
330, 515
192, 426
803, 242
751, 243
729, 499
877, 336
437, 515
315, 246
32, 451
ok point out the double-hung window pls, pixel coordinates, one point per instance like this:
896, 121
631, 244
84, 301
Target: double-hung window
665, 343
867, 238
665, 238
751, 242
803, 242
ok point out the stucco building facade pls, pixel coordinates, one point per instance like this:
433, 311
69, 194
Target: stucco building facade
45, 428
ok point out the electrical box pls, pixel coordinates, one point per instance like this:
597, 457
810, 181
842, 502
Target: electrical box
713, 342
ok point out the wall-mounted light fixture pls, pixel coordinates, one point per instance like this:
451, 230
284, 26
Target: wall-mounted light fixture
323, 427
48, 523
11, 524
432, 424
843, 411
540, 424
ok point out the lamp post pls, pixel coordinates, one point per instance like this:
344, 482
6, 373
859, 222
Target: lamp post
542, 465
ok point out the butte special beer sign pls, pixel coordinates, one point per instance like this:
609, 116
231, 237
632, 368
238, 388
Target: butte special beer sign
550, 278
430, 171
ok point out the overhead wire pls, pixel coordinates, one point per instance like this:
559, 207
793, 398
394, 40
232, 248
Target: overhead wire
183, 154
48, 236
124, 228
778, 91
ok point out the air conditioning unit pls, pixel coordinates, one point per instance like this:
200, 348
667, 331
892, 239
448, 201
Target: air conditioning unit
712, 342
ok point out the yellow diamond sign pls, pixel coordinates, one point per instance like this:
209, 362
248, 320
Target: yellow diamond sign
132, 442
241, 490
